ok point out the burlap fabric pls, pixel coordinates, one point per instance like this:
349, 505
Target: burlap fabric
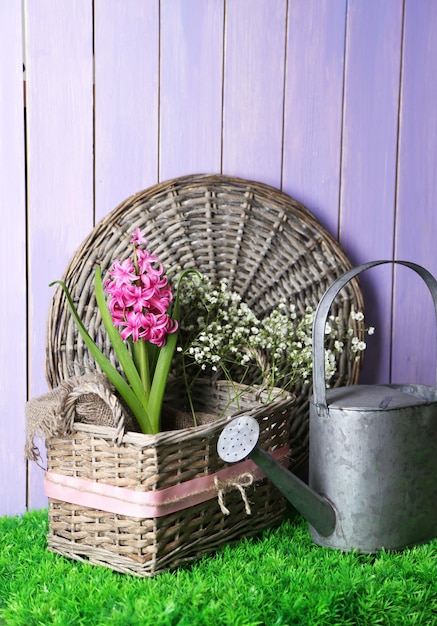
88, 399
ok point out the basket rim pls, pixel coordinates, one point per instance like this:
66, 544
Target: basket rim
282, 400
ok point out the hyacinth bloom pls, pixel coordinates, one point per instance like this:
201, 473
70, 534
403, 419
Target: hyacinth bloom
136, 314
140, 297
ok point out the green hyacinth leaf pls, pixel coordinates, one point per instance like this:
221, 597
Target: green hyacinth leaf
164, 362
126, 362
106, 366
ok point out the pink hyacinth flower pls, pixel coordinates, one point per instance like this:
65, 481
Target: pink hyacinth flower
138, 238
123, 272
133, 324
140, 296
145, 262
157, 327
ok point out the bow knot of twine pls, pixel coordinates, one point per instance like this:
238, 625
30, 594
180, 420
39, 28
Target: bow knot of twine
241, 483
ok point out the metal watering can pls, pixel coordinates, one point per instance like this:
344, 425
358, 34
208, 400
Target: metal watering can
373, 453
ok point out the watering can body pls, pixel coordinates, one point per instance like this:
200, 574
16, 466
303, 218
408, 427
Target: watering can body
373, 451
378, 466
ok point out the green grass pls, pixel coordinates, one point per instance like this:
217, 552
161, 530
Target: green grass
281, 578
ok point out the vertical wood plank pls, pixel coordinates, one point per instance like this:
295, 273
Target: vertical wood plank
313, 106
191, 87
254, 89
368, 177
130, 117
126, 50
416, 228
13, 361
60, 162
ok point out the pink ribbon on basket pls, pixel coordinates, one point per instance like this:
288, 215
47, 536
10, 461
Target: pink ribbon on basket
149, 504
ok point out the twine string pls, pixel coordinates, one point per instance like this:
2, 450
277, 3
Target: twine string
241, 483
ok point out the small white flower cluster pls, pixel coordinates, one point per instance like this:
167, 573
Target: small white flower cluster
219, 332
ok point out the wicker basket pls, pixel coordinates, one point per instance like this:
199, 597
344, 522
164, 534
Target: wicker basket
268, 246
154, 502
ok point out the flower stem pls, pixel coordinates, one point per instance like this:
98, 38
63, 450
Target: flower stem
141, 360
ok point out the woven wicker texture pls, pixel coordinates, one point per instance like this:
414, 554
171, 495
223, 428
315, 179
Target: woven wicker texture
265, 243
145, 547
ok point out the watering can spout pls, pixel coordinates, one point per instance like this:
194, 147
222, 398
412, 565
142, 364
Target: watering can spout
318, 511
238, 440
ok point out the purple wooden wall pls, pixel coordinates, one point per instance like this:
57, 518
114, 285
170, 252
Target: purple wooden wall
334, 101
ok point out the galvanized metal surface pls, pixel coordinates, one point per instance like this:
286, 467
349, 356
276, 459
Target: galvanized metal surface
319, 512
239, 438
373, 451
373, 454
380, 469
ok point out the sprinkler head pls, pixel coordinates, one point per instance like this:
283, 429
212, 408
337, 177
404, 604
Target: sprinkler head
238, 439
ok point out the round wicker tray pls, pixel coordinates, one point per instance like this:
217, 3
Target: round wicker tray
267, 244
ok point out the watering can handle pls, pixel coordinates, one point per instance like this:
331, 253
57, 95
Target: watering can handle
319, 388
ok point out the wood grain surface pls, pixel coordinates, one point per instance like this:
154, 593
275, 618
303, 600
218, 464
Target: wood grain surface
331, 100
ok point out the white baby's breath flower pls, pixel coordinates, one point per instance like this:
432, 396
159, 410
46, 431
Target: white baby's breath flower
221, 333
357, 316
